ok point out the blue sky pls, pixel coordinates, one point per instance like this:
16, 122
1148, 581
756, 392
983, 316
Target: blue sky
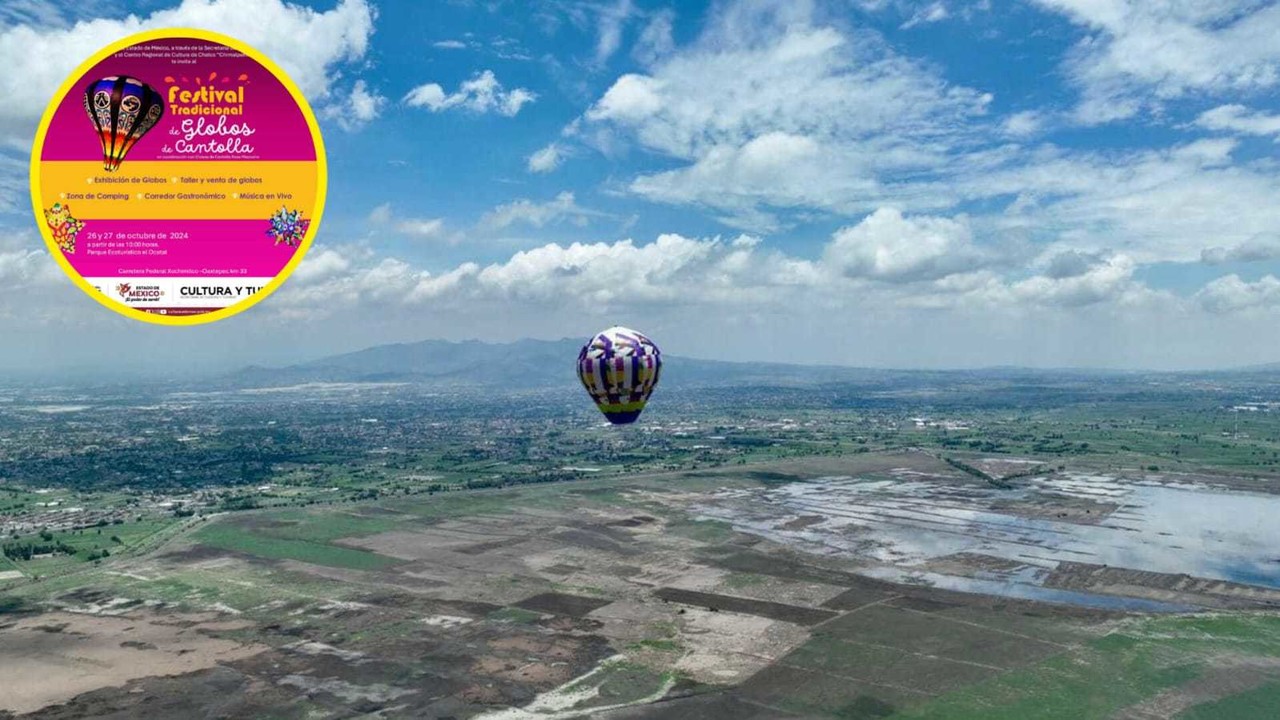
869, 182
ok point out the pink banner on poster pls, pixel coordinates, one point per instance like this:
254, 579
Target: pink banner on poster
155, 248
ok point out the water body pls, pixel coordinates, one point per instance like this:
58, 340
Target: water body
898, 525
1024, 591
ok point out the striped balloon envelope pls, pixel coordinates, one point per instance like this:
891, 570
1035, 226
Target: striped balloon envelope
619, 367
122, 109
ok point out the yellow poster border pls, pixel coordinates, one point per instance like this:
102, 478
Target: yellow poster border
322, 175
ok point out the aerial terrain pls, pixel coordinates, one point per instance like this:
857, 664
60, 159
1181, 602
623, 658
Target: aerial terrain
345, 538
965, 316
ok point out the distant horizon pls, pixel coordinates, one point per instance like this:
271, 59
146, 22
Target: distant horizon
75, 375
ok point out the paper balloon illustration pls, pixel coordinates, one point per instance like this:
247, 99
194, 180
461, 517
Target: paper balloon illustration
64, 227
288, 227
619, 367
123, 109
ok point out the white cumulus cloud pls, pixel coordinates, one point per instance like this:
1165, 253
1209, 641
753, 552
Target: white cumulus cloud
527, 212
547, 159
1238, 118
423, 228
480, 94
1230, 294
890, 247
1139, 54
770, 108
358, 109
308, 44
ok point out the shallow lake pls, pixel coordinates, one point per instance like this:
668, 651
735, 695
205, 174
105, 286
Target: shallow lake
898, 525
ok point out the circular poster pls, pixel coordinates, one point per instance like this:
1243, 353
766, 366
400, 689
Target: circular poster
178, 176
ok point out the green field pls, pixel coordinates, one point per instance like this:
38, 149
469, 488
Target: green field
515, 615
1130, 436
308, 544
1103, 676
112, 538
1261, 703
310, 535
624, 682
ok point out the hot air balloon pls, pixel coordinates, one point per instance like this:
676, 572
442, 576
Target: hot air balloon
619, 367
123, 109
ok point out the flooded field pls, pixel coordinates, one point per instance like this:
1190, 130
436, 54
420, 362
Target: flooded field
1155, 543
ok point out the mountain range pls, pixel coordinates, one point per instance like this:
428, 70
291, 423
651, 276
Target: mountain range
530, 363
547, 363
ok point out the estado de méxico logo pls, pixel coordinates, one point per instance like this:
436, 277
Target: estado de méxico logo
134, 293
